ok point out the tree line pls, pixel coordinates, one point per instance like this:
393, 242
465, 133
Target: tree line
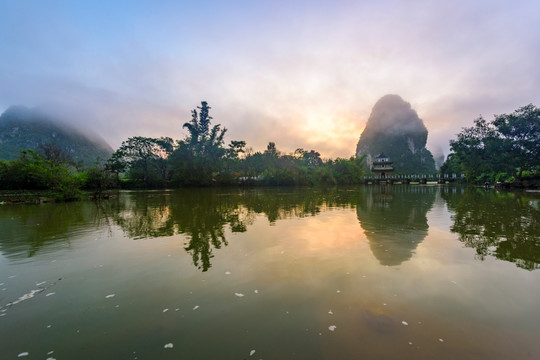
201, 158
504, 149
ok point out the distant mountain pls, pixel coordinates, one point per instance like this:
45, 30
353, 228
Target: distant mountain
23, 128
394, 128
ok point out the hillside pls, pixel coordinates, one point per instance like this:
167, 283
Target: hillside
23, 128
394, 128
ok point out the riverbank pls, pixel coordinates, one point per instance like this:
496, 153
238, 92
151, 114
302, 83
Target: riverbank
520, 184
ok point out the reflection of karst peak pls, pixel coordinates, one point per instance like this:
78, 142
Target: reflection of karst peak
394, 220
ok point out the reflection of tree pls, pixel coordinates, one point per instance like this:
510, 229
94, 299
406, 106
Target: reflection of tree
29, 229
204, 214
394, 220
504, 225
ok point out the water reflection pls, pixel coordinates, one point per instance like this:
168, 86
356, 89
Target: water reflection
27, 229
394, 220
502, 224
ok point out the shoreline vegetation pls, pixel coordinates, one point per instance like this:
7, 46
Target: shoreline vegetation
503, 152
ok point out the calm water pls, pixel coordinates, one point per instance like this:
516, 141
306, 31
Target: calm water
402, 272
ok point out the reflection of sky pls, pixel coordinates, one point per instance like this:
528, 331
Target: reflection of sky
302, 75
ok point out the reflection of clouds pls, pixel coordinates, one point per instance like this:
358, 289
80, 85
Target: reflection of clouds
394, 220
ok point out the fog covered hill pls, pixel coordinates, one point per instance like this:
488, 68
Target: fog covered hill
394, 128
24, 128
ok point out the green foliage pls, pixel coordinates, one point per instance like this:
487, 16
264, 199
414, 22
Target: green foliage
32, 172
144, 159
201, 159
509, 144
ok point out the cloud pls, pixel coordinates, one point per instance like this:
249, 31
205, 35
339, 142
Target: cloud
301, 75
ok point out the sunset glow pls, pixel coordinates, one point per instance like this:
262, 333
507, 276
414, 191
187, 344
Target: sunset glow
302, 75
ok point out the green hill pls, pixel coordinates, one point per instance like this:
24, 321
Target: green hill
23, 128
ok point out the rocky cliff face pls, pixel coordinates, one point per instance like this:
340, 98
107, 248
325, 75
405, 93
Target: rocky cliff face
395, 129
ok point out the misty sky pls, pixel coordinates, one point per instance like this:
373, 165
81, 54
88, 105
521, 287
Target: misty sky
299, 73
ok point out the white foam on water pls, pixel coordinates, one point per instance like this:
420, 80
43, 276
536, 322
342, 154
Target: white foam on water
50, 352
165, 310
405, 323
256, 291
251, 352
38, 284
3, 314
239, 294
168, 346
196, 307
26, 296
51, 358
332, 327
49, 326
109, 296
51, 293
23, 354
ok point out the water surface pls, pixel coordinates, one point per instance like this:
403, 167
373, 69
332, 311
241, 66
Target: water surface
397, 272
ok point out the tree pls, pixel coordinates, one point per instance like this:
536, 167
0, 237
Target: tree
199, 157
507, 144
145, 159
521, 133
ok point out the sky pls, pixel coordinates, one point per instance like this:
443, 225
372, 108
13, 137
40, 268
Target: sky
303, 74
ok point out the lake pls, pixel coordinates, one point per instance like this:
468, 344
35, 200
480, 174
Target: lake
393, 272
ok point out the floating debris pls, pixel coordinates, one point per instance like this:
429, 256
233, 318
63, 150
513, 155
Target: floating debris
332, 327
239, 294
165, 310
410, 343
50, 358
330, 312
256, 291
168, 346
50, 352
110, 296
23, 354
384, 304
441, 340
338, 291
196, 307
405, 323
227, 273
251, 352
453, 282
